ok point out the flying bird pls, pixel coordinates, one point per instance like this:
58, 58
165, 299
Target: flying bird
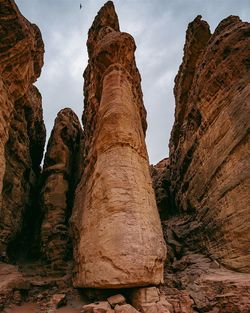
80, 6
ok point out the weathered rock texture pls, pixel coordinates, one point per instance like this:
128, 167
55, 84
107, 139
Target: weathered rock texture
60, 173
160, 175
196, 282
207, 227
117, 230
21, 124
12, 283
202, 189
209, 147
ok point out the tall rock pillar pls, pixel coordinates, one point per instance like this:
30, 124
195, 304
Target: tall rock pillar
60, 174
117, 230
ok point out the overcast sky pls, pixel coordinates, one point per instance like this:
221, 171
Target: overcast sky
158, 27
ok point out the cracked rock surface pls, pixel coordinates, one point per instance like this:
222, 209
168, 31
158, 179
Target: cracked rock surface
115, 214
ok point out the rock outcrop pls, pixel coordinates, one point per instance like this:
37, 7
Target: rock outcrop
196, 282
20, 214
60, 173
206, 228
116, 226
21, 124
209, 147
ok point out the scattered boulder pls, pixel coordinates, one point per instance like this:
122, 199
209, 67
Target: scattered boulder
17, 297
125, 308
144, 296
149, 300
58, 300
97, 307
116, 299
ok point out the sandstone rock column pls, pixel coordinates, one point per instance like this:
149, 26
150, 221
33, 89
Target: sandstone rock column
60, 174
117, 230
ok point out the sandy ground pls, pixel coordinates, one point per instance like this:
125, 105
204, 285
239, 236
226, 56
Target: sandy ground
34, 308
11, 276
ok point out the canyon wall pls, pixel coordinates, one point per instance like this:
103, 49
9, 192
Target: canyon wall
209, 146
202, 189
115, 221
21, 124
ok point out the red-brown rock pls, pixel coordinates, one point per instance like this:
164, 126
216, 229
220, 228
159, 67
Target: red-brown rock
208, 173
97, 307
116, 299
148, 300
125, 308
23, 150
117, 230
21, 49
11, 283
209, 146
21, 123
60, 173
161, 182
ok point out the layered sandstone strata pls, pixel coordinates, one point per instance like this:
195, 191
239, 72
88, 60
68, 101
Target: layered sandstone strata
60, 174
209, 147
20, 214
21, 124
195, 281
117, 230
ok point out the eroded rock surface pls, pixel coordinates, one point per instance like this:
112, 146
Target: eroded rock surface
116, 227
209, 147
160, 175
60, 173
21, 124
206, 228
195, 281
149, 300
12, 282
117, 230
20, 214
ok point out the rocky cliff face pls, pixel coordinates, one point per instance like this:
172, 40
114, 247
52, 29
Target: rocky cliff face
209, 161
115, 218
23, 151
206, 228
22, 129
60, 173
